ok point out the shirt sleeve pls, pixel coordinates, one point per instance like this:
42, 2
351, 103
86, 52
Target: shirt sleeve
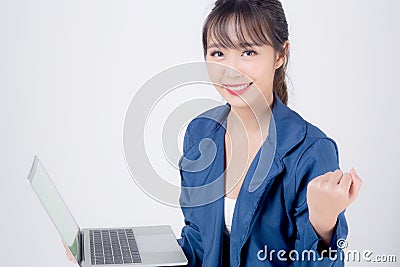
190, 240
318, 159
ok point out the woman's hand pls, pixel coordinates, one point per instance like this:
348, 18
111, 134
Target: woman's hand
327, 196
70, 257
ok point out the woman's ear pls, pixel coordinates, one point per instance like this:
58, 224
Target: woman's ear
280, 59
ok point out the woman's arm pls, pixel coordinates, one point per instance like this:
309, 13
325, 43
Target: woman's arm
191, 244
190, 240
311, 241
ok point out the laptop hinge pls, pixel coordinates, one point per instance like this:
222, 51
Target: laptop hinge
81, 251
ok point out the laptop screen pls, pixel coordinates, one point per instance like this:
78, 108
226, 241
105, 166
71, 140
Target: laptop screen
55, 206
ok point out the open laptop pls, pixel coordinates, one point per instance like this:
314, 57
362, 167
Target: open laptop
135, 246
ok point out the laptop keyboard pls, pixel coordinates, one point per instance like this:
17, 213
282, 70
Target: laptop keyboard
113, 246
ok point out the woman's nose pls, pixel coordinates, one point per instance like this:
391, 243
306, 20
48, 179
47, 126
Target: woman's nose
232, 69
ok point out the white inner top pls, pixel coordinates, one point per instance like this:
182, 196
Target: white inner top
229, 208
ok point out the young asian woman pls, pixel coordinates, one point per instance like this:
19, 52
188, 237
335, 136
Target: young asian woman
293, 215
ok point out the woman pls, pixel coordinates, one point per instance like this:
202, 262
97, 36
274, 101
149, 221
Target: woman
286, 209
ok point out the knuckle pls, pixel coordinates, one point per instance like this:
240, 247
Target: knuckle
311, 186
338, 171
313, 182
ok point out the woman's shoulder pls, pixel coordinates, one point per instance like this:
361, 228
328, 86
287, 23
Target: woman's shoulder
306, 134
316, 144
208, 122
314, 133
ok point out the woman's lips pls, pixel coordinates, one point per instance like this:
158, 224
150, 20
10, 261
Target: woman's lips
237, 89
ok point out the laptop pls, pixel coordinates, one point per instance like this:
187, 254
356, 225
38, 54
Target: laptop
121, 246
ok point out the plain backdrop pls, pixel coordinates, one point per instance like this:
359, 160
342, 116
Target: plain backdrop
68, 70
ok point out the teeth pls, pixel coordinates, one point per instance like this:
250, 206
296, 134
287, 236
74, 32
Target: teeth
237, 88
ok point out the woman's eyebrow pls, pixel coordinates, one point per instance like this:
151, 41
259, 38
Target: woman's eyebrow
244, 45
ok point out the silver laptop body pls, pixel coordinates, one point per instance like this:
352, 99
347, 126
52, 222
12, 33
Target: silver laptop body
135, 246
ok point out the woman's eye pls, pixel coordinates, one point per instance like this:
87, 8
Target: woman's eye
249, 53
216, 54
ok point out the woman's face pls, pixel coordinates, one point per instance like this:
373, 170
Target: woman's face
247, 74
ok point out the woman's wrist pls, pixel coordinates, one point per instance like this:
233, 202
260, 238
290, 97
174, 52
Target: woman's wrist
323, 227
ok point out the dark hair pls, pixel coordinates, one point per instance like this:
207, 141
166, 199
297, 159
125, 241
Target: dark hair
263, 21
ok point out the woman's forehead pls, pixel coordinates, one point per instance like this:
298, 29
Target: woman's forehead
233, 40
236, 34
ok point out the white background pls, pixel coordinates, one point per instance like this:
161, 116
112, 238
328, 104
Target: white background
68, 70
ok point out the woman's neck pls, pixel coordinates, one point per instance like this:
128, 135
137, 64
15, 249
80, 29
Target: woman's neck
254, 121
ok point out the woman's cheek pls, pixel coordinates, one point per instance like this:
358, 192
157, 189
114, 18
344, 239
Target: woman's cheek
215, 71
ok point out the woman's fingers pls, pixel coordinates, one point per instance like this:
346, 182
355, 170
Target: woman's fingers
356, 184
336, 177
345, 182
70, 257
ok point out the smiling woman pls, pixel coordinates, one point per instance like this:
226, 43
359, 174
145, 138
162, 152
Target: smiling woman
300, 202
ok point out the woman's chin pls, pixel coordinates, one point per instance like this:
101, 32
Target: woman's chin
238, 101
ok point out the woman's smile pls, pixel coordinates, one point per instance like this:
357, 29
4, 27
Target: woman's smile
237, 89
